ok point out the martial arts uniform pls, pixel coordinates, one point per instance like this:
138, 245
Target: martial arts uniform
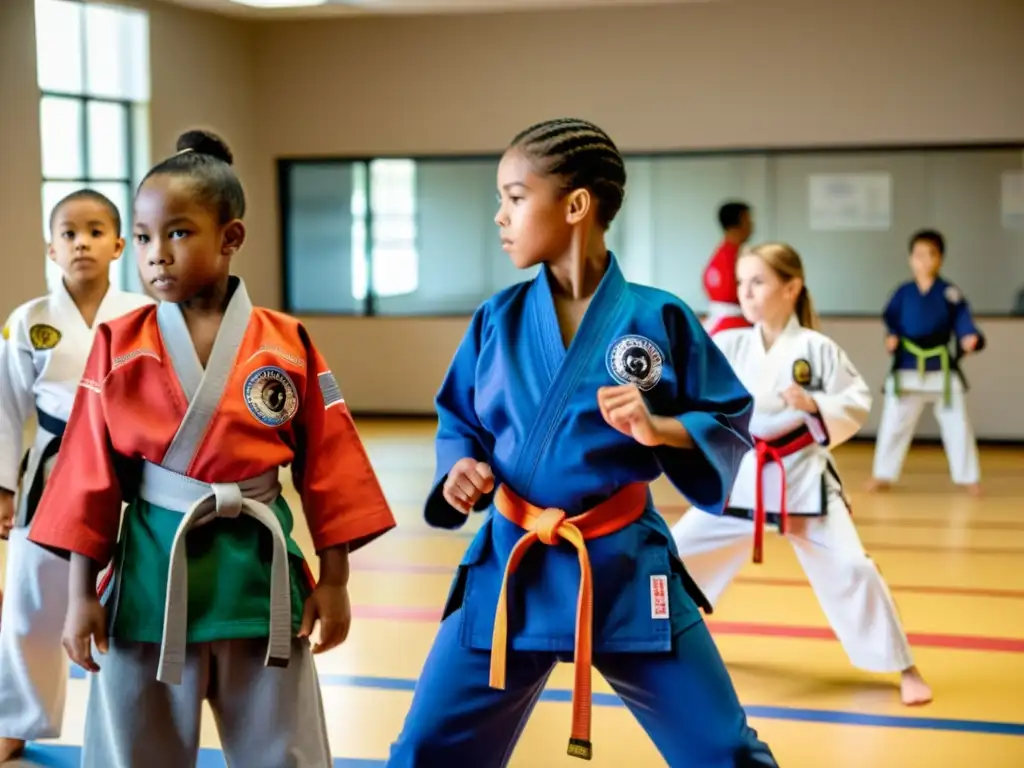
720, 287
516, 398
43, 353
924, 371
197, 452
790, 481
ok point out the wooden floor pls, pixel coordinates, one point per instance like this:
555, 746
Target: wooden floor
955, 565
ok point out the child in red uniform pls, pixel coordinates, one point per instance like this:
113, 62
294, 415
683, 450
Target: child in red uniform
720, 274
189, 410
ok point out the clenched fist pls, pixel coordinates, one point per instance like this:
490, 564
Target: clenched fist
467, 481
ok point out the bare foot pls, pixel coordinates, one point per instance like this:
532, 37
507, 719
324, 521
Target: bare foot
878, 486
914, 691
10, 748
974, 489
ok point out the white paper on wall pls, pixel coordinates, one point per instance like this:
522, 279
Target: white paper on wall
850, 201
1013, 199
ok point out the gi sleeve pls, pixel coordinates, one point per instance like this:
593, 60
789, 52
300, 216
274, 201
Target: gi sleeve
17, 379
80, 510
844, 401
714, 408
892, 313
341, 496
963, 319
460, 433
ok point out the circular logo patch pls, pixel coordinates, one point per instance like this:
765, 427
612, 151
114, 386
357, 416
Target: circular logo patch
635, 360
271, 396
802, 372
43, 336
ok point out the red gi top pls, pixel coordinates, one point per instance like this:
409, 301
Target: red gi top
720, 287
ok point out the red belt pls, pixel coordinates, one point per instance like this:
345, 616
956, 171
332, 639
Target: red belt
768, 451
551, 526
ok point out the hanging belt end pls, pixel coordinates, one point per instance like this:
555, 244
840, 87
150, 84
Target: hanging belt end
169, 673
497, 680
581, 748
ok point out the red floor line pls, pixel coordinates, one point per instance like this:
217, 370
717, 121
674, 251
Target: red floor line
673, 513
765, 581
741, 628
918, 589
943, 549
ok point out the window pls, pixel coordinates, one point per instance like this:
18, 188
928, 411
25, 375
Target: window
350, 224
93, 73
849, 213
392, 259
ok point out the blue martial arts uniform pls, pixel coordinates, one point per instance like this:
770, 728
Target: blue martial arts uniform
517, 399
925, 324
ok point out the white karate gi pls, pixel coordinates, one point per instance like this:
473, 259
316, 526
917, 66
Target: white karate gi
45, 346
848, 585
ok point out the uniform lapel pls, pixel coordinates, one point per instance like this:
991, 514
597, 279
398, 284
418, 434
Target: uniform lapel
565, 366
771, 367
203, 389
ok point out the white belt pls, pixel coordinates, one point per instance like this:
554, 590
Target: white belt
200, 503
718, 309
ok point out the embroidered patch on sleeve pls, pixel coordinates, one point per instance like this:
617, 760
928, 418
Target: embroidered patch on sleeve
330, 390
5, 333
44, 337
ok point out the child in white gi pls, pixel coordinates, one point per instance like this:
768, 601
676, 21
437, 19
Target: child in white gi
808, 398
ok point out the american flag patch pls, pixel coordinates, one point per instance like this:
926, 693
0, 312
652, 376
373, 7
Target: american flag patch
330, 390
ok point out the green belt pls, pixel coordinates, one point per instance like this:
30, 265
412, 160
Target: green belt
923, 356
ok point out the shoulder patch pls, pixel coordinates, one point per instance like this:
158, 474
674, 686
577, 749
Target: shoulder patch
5, 333
271, 396
802, 372
953, 295
330, 390
635, 360
44, 337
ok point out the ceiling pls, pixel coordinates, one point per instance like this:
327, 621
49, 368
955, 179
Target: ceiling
382, 7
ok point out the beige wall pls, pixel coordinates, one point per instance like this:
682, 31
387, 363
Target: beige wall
748, 73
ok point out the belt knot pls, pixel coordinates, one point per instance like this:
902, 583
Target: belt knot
548, 525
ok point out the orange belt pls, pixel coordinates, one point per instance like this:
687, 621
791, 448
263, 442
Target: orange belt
768, 451
550, 526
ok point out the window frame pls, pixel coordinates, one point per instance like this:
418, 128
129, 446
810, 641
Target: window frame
127, 278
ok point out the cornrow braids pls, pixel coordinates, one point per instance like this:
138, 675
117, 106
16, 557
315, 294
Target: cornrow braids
206, 159
583, 156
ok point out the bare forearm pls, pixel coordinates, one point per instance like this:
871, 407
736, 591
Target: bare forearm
82, 576
334, 566
673, 433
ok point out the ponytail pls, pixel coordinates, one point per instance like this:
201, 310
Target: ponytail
805, 313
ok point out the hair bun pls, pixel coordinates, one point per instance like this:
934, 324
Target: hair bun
205, 143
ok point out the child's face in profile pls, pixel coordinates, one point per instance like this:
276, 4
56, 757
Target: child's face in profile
925, 260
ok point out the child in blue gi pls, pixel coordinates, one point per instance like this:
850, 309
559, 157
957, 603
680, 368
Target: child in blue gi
568, 396
921, 319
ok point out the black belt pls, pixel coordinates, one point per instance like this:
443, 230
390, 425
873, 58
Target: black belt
51, 424
55, 427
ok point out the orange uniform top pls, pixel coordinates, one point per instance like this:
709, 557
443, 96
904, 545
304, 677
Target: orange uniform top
278, 404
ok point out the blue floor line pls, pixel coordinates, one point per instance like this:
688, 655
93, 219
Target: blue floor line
67, 756
798, 714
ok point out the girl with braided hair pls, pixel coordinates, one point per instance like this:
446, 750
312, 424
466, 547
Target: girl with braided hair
568, 396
